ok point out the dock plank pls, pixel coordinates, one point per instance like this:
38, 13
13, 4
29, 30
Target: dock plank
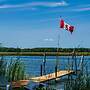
51, 76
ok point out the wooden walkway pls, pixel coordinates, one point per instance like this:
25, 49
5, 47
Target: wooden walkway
51, 76
43, 78
17, 84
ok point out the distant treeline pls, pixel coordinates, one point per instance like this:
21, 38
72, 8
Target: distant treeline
6, 49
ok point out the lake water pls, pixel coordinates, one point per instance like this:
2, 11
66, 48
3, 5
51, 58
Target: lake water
33, 63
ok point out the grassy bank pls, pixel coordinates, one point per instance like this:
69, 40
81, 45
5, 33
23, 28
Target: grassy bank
42, 53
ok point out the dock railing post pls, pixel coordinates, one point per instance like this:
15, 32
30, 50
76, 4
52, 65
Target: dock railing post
75, 64
56, 71
41, 70
44, 64
57, 57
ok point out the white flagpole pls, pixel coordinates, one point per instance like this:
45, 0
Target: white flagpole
57, 55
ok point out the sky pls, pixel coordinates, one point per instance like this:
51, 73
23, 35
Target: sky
35, 23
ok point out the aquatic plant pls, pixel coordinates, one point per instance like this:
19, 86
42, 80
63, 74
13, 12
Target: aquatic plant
15, 71
81, 79
3, 65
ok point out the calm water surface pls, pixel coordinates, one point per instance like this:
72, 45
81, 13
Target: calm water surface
32, 63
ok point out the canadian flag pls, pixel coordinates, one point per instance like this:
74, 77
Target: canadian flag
66, 26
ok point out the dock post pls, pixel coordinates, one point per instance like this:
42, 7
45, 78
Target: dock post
44, 64
41, 70
56, 71
69, 68
75, 65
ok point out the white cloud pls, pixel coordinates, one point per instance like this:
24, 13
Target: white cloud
13, 6
49, 4
35, 4
82, 9
48, 39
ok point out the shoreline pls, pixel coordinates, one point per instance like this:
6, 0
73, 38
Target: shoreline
44, 53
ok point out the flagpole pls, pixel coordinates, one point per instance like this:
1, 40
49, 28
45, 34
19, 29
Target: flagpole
58, 48
57, 55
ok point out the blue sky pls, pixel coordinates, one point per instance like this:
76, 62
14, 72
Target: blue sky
35, 23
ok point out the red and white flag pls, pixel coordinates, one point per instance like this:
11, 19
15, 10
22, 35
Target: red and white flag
66, 26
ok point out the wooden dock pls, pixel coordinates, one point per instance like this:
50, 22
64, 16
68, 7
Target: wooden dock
20, 83
43, 78
52, 76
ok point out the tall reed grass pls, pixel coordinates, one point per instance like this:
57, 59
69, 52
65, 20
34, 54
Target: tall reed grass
81, 79
16, 70
13, 71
